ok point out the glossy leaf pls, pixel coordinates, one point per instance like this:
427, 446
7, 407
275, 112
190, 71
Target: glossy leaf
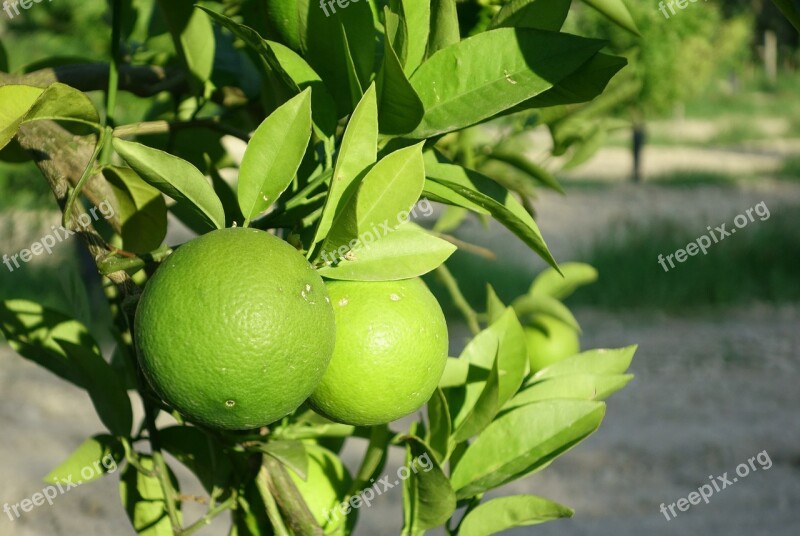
497, 70
416, 17
432, 498
273, 155
175, 177
193, 36
494, 198
503, 513
141, 210
400, 107
480, 413
577, 386
94, 458
444, 25
143, 500
538, 14
616, 11
60, 102
600, 361
357, 153
522, 441
559, 286
405, 253
389, 190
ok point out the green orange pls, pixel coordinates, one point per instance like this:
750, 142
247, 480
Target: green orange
326, 485
550, 340
391, 349
235, 329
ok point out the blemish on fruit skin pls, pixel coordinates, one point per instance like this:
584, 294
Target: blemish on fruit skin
308, 287
394, 297
343, 302
230, 403
327, 299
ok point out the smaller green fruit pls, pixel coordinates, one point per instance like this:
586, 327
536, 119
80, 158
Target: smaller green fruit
327, 484
549, 341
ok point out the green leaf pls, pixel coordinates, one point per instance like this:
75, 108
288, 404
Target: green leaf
522, 441
617, 12
538, 14
444, 25
405, 253
175, 177
273, 155
529, 307
143, 500
358, 152
456, 373
104, 385
201, 453
494, 198
577, 386
60, 102
497, 70
559, 286
432, 498
32, 330
494, 306
388, 190
3, 58
193, 36
292, 454
15, 101
505, 513
442, 194
416, 22
790, 11
600, 361
285, 16
531, 169
439, 426
400, 107
480, 413
141, 210
94, 458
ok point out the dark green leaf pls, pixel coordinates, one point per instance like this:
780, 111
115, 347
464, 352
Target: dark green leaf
141, 210
175, 177
504, 513
94, 458
433, 500
193, 36
616, 11
290, 453
439, 426
444, 25
198, 451
531, 169
400, 107
538, 14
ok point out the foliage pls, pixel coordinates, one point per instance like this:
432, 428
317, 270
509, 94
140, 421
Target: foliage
352, 117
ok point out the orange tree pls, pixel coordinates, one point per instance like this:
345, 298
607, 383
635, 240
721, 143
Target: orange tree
347, 111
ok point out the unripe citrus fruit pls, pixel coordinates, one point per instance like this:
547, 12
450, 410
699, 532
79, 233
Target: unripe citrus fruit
235, 329
391, 348
326, 486
550, 341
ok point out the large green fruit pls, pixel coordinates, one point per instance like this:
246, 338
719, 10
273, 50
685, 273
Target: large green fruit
549, 341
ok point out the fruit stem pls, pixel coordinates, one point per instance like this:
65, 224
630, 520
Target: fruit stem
458, 298
374, 459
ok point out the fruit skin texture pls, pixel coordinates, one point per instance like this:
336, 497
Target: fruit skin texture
391, 349
235, 329
544, 349
326, 485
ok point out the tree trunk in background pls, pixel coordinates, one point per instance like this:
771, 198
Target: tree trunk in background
771, 55
638, 141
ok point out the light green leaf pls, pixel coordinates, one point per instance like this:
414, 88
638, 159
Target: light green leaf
143, 500
444, 25
193, 36
497, 70
617, 12
504, 513
529, 307
175, 177
494, 198
94, 458
442, 194
522, 441
60, 102
494, 306
292, 454
141, 210
388, 190
404, 253
539, 14
480, 413
357, 153
578, 386
600, 361
400, 107
15, 101
273, 155
439, 426
528, 167
416, 25
432, 498
456, 372
559, 286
